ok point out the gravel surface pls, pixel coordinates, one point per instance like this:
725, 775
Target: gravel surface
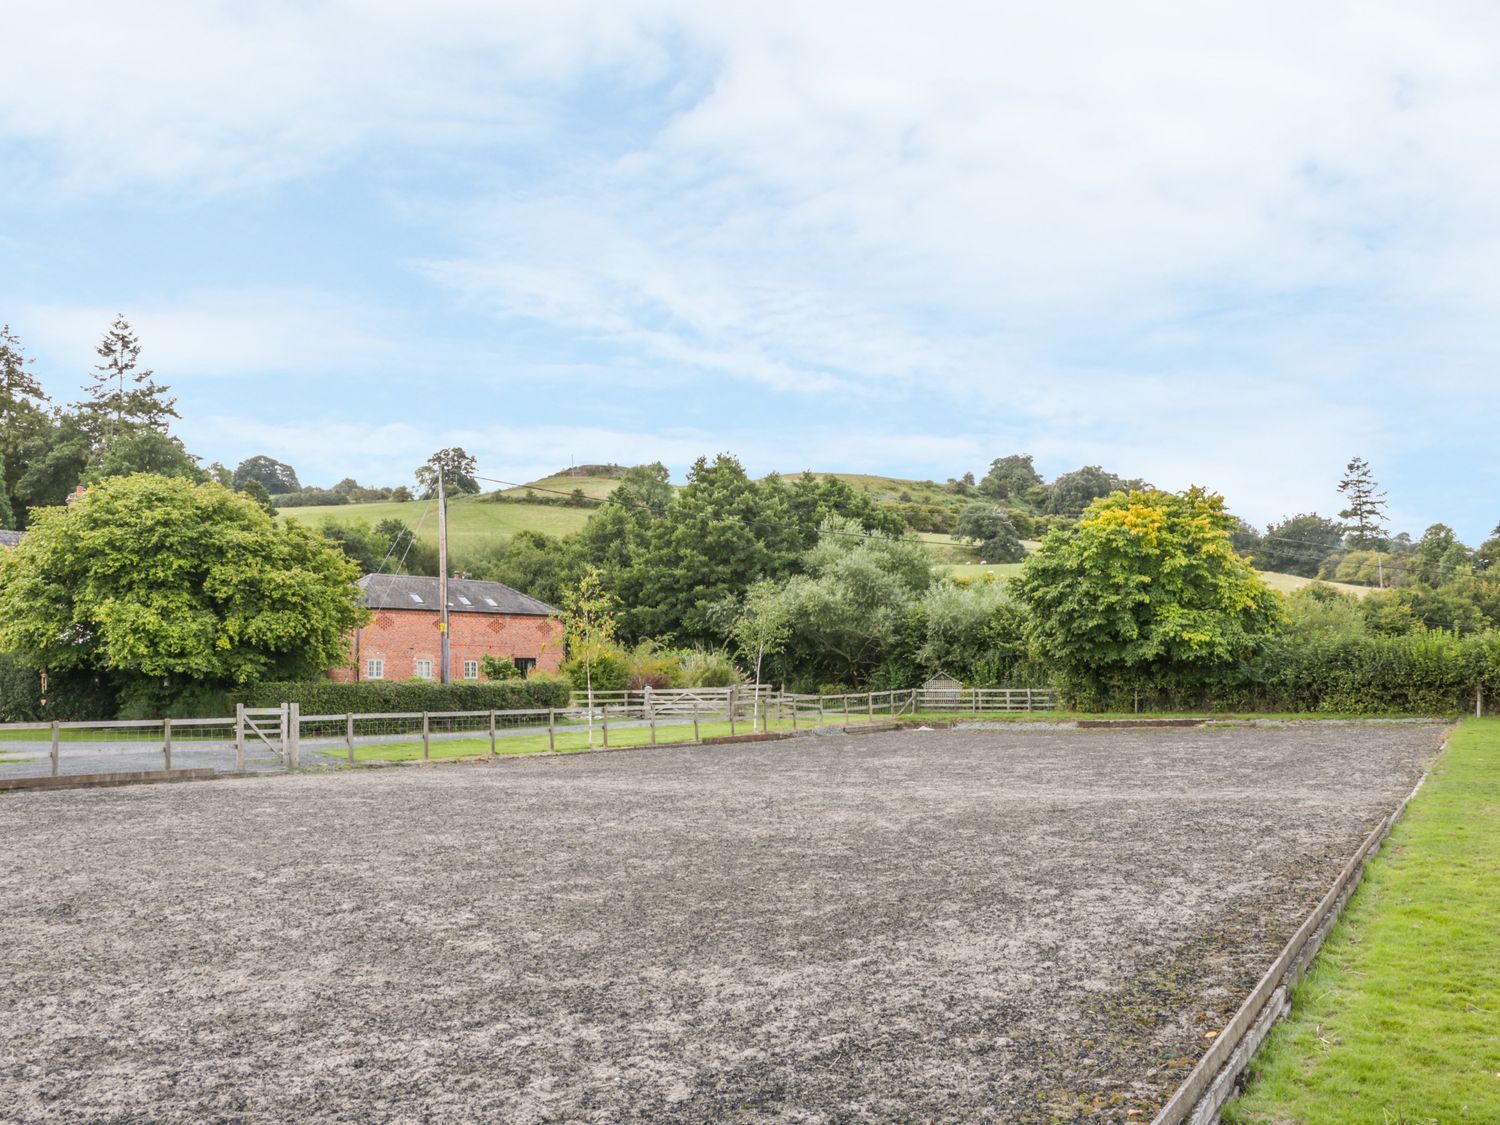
997, 925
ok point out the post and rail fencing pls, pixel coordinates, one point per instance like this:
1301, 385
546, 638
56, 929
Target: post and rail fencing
257, 740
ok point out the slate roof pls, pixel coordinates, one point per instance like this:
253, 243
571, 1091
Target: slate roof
465, 595
10, 538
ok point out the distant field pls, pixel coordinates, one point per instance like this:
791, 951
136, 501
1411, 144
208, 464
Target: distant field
890, 488
472, 522
597, 487
1286, 583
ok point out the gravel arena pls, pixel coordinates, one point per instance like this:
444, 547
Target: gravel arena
1007, 924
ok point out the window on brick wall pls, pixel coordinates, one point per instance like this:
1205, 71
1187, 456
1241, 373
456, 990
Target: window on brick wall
424, 669
374, 669
471, 669
525, 664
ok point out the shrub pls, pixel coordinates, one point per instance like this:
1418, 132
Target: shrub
704, 668
325, 697
70, 696
497, 669
609, 671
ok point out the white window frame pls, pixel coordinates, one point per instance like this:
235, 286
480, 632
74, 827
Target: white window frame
375, 668
471, 669
420, 674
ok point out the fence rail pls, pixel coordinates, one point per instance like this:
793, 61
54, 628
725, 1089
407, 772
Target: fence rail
269, 739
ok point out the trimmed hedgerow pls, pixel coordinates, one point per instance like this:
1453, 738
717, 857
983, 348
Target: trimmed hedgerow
325, 697
1428, 673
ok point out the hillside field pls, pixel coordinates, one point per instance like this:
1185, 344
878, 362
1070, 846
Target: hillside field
474, 522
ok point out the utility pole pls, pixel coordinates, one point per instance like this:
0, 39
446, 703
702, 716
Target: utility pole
443, 574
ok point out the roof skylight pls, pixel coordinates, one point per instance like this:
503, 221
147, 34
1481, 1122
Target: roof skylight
415, 597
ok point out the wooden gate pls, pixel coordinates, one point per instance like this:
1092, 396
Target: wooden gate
272, 730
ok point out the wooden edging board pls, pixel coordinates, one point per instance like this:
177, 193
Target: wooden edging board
88, 780
1212, 1082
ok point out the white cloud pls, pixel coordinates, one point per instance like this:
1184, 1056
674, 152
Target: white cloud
221, 333
1195, 243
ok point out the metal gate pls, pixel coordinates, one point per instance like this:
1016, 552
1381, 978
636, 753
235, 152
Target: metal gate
268, 729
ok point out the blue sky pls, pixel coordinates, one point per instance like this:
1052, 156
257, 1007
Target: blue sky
1226, 248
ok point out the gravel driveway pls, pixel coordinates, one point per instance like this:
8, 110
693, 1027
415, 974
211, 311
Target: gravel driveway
998, 925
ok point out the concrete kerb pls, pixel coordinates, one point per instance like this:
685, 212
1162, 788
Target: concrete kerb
1213, 1081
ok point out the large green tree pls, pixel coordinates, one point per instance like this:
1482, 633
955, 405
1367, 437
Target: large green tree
457, 469
991, 531
1299, 544
1072, 492
148, 576
23, 423
1146, 590
277, 476
1010, 477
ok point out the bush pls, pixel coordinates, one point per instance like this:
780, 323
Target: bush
70, 696
325, 697
702, 668
610, 672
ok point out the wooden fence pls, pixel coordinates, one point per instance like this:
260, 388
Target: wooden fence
282, 738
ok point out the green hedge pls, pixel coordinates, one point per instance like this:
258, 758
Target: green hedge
325, 697
70, 696
1432, 673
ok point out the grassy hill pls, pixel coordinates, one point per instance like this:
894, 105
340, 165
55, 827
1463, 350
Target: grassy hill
472, 521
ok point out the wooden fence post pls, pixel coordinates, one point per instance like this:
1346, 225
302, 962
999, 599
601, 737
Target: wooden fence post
294, 735
695, 729
56, 749
552, 729
653, 725
492, 734
604, 723
349, 735
166, 743
239, 738
426, 743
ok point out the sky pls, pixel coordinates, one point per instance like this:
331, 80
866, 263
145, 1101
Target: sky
1227, 245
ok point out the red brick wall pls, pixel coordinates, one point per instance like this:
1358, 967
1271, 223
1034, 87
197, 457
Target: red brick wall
401, 637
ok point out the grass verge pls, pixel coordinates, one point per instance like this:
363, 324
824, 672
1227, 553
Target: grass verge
1399, 1020
569, 740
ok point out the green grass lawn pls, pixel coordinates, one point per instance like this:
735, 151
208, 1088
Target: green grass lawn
573, 740
1399, 1020
472, 521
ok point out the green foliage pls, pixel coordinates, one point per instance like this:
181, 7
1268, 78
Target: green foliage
595, 662
325, 697
1299, 544
1072, 492
277, 476
1147, 589
23, 424
499, 668
457, 471
258, 496
67, 696
1010, 477
159, 577
120, 395
1365, 568
1365, 514
708, 668
976, 632
990, 529
598, 667
143, 451
763, 625
849, 607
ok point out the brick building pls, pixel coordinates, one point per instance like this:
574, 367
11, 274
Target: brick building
402, 641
